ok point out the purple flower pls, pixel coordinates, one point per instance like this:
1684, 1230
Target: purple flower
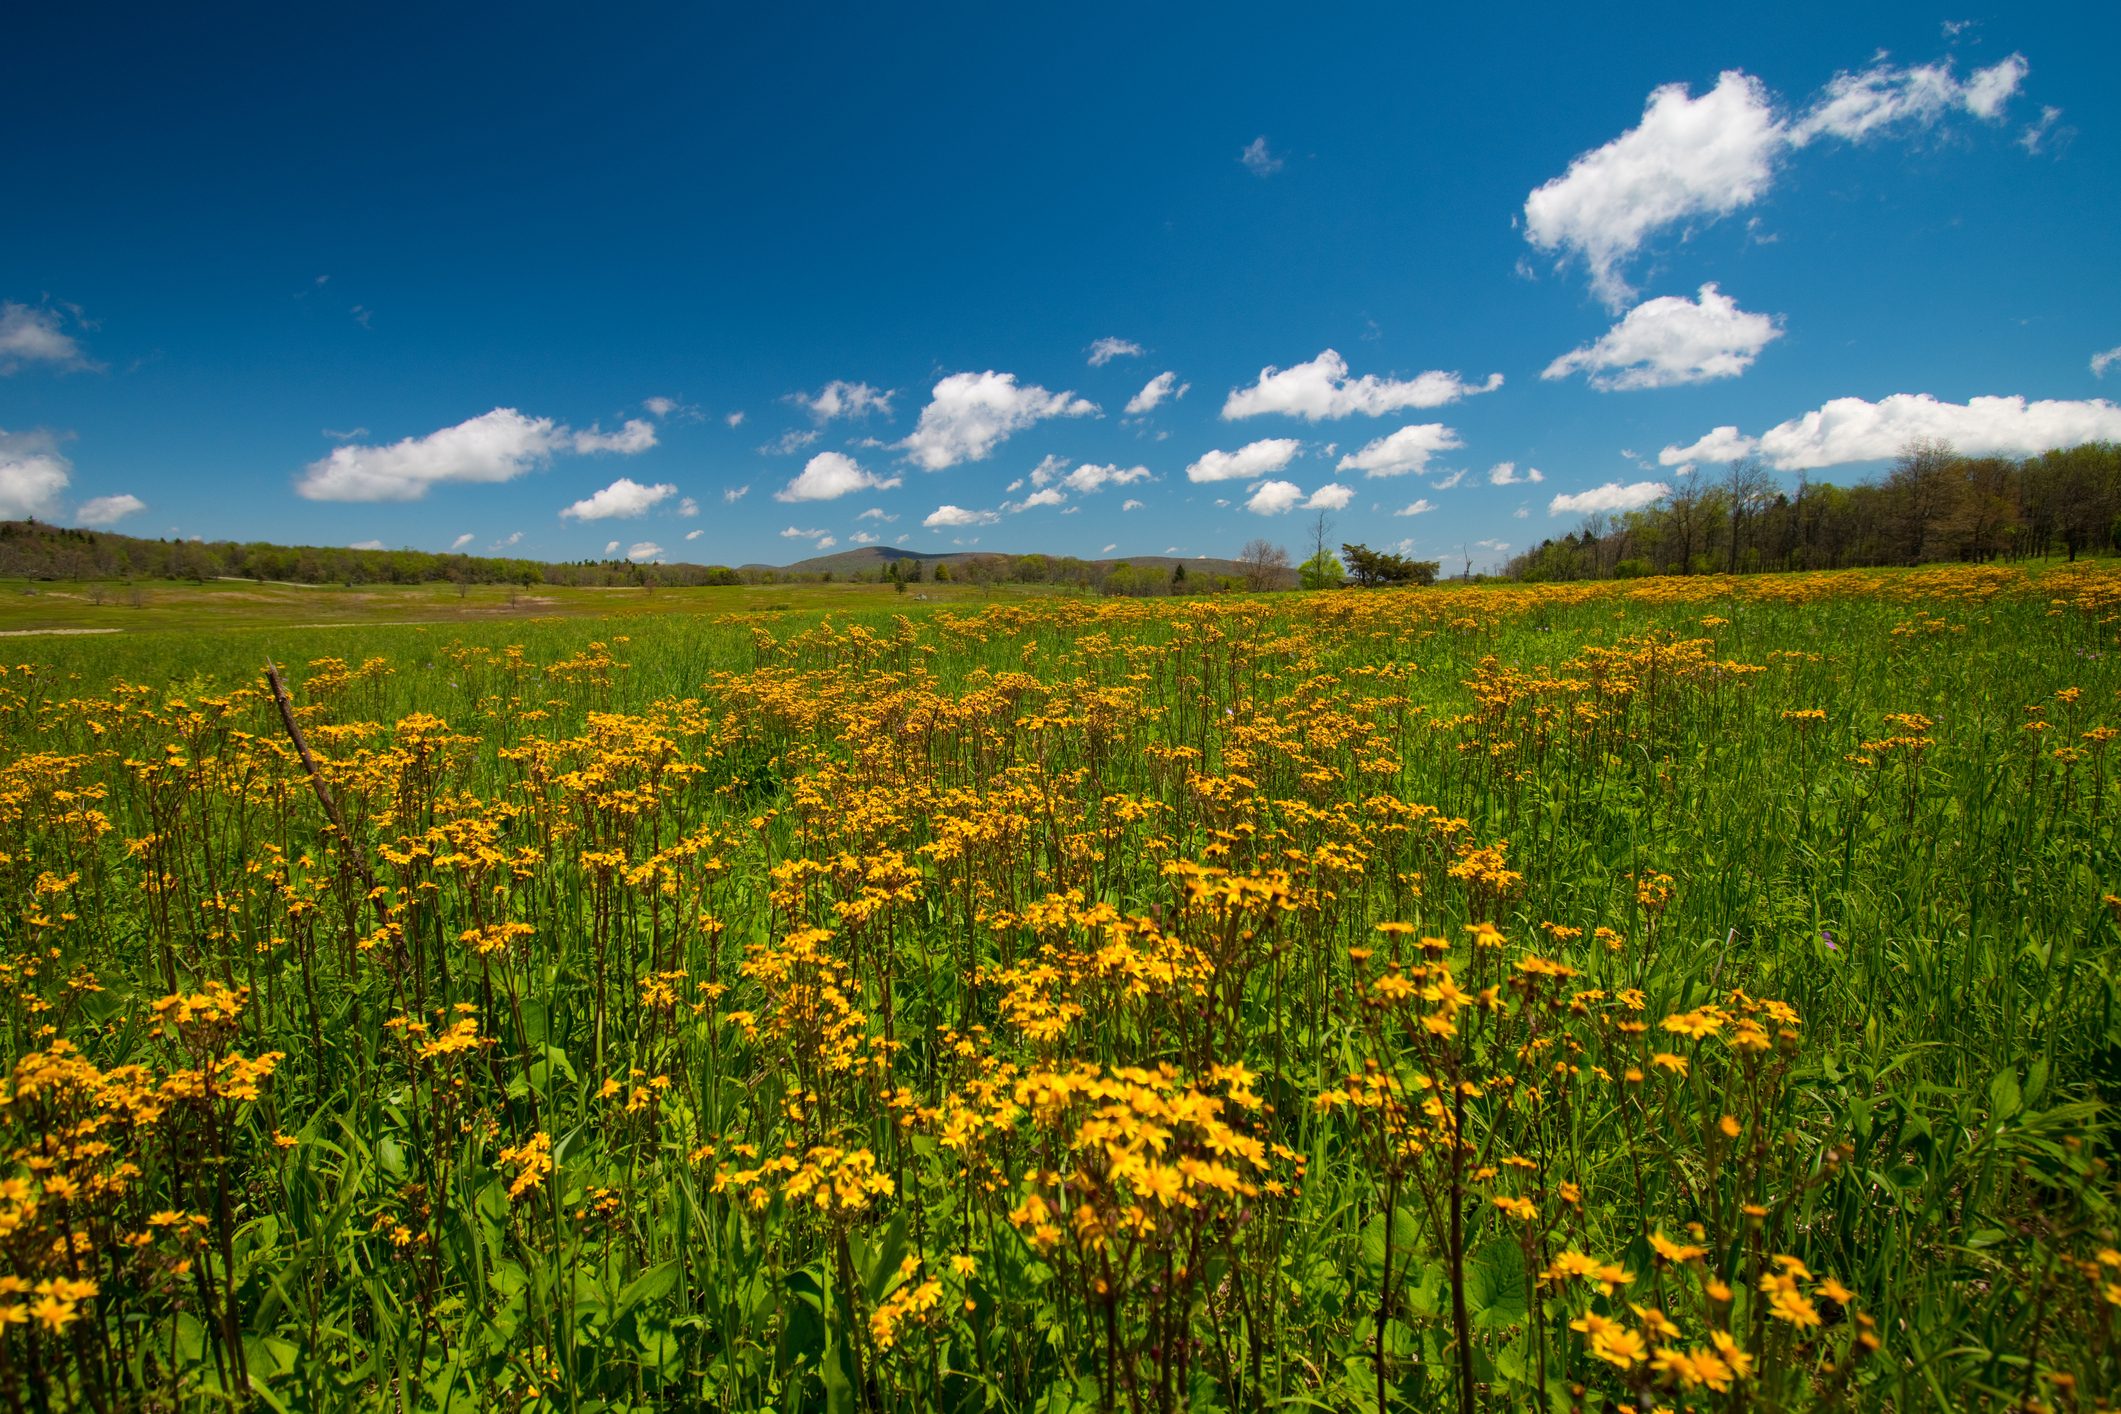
1826, 935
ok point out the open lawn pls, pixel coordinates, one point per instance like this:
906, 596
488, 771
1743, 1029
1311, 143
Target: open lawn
1686, 993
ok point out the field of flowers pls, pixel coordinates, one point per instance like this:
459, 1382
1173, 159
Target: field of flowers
1690, 993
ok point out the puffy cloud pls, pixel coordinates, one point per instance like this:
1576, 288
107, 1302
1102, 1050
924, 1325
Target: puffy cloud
2103, 361
876, 513
1089, 478
1154, 392
1247, 463
969, 414
1274, 497
1721, 444
863, 537
694, 534
624, 498
1610, 497
1856, 430
826, 542
32, 334
108, 510
736, 493
1507, 474
642, 551
611, 547
1322, 389
1407, 450
831, 475
735, 419
493, 447
944, 516
1258, 159
1671, 340
1693, 159
1131, 505
839, 398
33, 475
1416, 508
1049, 496
1105, 350
1688, 157
1331, 497
660, 406
688, 508
462, 540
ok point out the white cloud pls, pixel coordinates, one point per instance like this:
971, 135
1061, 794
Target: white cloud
1722, 444
1451, 481
1274, 497
839, 398
1408, 449
1131, 505
793, 440
1416, 508
347, 435
969, 414
876, 513
1247, 463
1049, 496
1109, 548
462, 540
643, 550
366, 545
509, 542
1105, 350
1331, 497
1258, 159
1671, 340
827, 542
1049, 469
791, 533
638, 435
1855, 430
1089, 478
611, 547
30, 334
1154, 392
735, 419
33, 475
1610, 497
831, 475
694, 534
1506, 474
943, 516
108, 510
736, 493
1700, 159
660, 406
688, 508
622, 499
1322, 389
1521, 513
2103, 361
493, 447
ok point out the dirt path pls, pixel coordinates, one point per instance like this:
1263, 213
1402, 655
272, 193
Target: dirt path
52, 632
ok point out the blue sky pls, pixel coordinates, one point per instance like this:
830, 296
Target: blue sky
681, 280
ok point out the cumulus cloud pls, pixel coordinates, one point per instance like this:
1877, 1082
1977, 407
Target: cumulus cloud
1048, 496
1330, 497
1407, 450
735, 419
644, 550
33, 475
2103, 361
108, 510
1322, 389
1610, 497
1247, 463
831, 475
1089, 478
944, 516
1672, 340
1847, 430
1259, 159
863, 537
688, 508
1274, 497
840, 398
32, 334
1507, 474
493, 447
1131, 505
736, 493
1105, 350
969, 414
1699, 159
623, 499
1155, 392
1416, 508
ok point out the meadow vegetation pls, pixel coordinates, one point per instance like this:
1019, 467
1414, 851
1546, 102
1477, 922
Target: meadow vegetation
1678, 993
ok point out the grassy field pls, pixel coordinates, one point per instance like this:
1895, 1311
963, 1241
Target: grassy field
1679, 994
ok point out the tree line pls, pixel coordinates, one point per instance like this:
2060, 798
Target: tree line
1932, 505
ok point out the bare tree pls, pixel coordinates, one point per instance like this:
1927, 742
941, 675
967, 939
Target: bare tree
1747, 487
1264, 563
